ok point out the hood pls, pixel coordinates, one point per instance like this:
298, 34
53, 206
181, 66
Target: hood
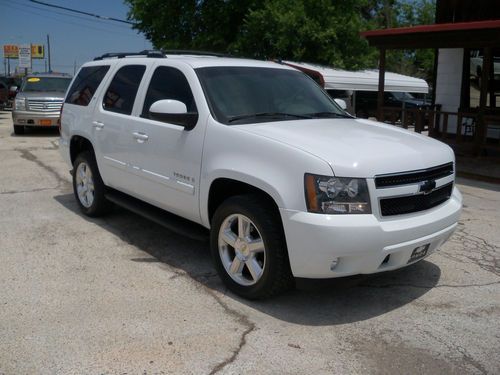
357, 147
49, 95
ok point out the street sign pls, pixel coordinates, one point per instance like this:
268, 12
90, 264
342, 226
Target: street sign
25, 56
37, 51
10, 51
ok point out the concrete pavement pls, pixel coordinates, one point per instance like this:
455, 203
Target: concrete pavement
122, 295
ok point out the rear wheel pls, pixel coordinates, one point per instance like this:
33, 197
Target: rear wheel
248, 247
88, 186
18, 129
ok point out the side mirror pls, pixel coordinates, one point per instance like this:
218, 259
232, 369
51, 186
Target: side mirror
13, 88
341, 103
173, 112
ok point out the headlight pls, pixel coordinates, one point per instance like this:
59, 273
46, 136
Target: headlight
336, 195
20, 104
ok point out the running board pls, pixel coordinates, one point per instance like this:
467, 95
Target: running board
166, 219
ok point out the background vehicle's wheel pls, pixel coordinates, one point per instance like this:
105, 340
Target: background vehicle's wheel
18, 129
249, 249
88, 186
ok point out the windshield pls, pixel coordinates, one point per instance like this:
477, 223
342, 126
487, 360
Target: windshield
46, 84
242, 95
403, 96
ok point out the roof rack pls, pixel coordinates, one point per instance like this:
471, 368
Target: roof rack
193, 52
120, 55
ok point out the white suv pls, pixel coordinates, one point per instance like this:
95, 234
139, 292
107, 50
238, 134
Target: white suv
289, 185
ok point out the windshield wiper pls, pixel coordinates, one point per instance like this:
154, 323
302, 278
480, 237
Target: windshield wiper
267, 114
329, 115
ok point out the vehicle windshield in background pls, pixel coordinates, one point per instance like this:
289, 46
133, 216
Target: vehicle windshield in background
45, 84
241, 95
403, 96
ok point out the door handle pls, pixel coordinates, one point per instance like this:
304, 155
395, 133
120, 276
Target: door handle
98, 125
141, 137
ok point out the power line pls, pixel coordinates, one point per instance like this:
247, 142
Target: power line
82, 12
70, 22
86, 19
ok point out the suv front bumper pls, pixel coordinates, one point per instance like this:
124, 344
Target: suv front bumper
33, 118
328, 246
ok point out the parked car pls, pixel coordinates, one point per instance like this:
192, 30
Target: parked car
39, 101
288, 184
4, 95
476, 66
13, 84
366, 102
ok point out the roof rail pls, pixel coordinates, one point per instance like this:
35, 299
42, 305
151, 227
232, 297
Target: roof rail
193, 52
119, 55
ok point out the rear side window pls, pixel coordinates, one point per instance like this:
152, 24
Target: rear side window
168, 83
85, 84
122, 90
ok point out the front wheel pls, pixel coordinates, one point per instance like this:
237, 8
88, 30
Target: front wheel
249, 249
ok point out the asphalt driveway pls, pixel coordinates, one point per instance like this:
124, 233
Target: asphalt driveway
123, 295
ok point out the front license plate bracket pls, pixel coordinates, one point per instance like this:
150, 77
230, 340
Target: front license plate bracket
419, 252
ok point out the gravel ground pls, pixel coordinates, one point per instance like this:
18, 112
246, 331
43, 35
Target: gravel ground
122, 295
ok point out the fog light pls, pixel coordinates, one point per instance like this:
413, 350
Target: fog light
334, 264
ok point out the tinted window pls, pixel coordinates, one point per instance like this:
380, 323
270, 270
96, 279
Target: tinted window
168, 83
240, 95
85, 84
122, 90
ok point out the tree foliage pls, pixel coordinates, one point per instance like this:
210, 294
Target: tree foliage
319, 31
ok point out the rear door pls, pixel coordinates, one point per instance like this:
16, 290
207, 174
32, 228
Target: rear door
80, 103
113, 126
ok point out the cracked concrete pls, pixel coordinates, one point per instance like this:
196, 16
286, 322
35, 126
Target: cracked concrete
123, 295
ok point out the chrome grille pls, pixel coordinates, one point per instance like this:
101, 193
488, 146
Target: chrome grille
44, 105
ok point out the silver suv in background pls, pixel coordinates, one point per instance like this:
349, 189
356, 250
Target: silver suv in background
39, 101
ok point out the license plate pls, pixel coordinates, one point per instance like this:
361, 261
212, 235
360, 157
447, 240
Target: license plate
46, 122
418, 253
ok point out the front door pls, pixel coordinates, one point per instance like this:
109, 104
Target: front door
170, 156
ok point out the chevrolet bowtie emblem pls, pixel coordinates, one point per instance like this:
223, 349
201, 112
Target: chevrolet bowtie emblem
427, 187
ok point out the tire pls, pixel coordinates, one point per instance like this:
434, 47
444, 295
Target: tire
265, 225
86, 176
18, 129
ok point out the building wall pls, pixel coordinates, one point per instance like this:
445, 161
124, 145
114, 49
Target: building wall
449, 81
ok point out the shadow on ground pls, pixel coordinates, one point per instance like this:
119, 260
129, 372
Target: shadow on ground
334, 302
35, 132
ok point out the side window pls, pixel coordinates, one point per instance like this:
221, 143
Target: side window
120, 95
168, 83
85, 84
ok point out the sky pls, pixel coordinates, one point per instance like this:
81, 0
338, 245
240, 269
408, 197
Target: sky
74, 38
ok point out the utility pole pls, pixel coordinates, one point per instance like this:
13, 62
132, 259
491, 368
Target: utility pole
8, 66
48, 48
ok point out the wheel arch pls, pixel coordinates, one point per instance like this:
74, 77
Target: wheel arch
222, 188
77, 145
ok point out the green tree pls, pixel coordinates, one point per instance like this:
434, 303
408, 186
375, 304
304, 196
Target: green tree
320, 31
317, 31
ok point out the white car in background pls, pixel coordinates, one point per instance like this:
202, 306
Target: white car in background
288, 184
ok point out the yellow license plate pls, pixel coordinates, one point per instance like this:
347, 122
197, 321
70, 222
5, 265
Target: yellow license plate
45, 122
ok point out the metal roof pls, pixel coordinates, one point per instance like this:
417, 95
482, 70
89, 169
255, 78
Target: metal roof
442, 35
364, 80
